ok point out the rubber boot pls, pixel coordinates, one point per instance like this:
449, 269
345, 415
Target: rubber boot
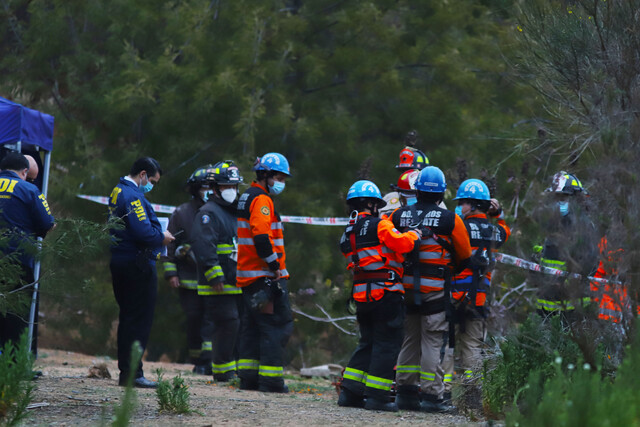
408, 398
377, 404
350, 399
431, 403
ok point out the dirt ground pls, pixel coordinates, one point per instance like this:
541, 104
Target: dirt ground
66, 396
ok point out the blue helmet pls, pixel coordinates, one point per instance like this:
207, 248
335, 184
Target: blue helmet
274, 162
473, 189
431, 180
366, 189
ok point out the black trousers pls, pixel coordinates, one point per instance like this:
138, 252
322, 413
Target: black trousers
14, 324
221, 326
263, 338
193, 307
135, 286
381, 335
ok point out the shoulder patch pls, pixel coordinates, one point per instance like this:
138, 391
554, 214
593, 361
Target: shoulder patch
206, 219
265, 210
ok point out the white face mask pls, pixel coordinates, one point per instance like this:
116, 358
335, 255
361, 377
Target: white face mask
229, 195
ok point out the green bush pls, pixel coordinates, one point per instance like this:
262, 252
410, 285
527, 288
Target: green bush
533, 347
580, 396
173, 396
16, 373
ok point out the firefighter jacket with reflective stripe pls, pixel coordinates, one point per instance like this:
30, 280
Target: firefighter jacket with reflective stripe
379, 247
180, 260
260, 237
446, 227
612, 298
484, 237
142, 236
212, 237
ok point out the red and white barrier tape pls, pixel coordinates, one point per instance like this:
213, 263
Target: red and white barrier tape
167, 209
500, 257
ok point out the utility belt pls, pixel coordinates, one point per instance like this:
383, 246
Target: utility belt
375, 276
430, 270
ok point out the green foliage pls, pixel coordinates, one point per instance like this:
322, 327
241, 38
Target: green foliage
173, 396
123, 413
533, 347
16, 387
577, 395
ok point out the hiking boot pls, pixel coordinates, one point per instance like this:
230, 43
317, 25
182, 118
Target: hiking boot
350, 399
431, 403
373, 404
202, 370
408, 398
273, 389
140, 382
224, 377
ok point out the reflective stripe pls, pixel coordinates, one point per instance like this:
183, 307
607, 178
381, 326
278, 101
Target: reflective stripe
363, 287
276, 226
278, 242
408, 368
260, 273
189, 284
213, 272
223, 367
207, 346
448, 378
428, 376
426, 285
363, 253
272, 257
243, 224
430, 255
554, 305
224, 249
245, 241
468, 373
378, 382
248, 364
169, 266
553, 263
271, 371
354, 375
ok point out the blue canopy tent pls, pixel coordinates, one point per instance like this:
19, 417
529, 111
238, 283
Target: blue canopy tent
21, 129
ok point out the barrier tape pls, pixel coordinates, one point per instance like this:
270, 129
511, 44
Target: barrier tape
500, 257
168, 209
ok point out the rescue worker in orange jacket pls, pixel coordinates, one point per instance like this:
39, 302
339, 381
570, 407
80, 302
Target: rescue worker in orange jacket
444, 250
469, 288
214, 237
612, 297
180, 266
266, 322
375, 251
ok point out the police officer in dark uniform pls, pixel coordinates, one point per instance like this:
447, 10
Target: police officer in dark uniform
180, 266
214, 245
24, 215
133, 262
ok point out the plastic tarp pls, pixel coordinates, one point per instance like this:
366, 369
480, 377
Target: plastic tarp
30, 127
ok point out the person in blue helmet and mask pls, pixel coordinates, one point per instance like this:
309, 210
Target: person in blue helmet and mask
469, 289
267, 322
375, 250
135, 249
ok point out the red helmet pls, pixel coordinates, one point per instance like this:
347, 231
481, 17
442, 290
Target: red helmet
407, 181
412, 158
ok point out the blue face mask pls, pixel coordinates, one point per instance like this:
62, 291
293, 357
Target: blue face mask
458, 211
276, 188
411, 201
564, 208
147, 187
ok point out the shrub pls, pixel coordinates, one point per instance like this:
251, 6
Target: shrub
173, 396
16, 373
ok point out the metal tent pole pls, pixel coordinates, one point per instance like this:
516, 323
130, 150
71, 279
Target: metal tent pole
36, 267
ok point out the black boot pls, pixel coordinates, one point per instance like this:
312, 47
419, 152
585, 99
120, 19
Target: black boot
431, 403
350, 399
408, 398
224, 377
377, 404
